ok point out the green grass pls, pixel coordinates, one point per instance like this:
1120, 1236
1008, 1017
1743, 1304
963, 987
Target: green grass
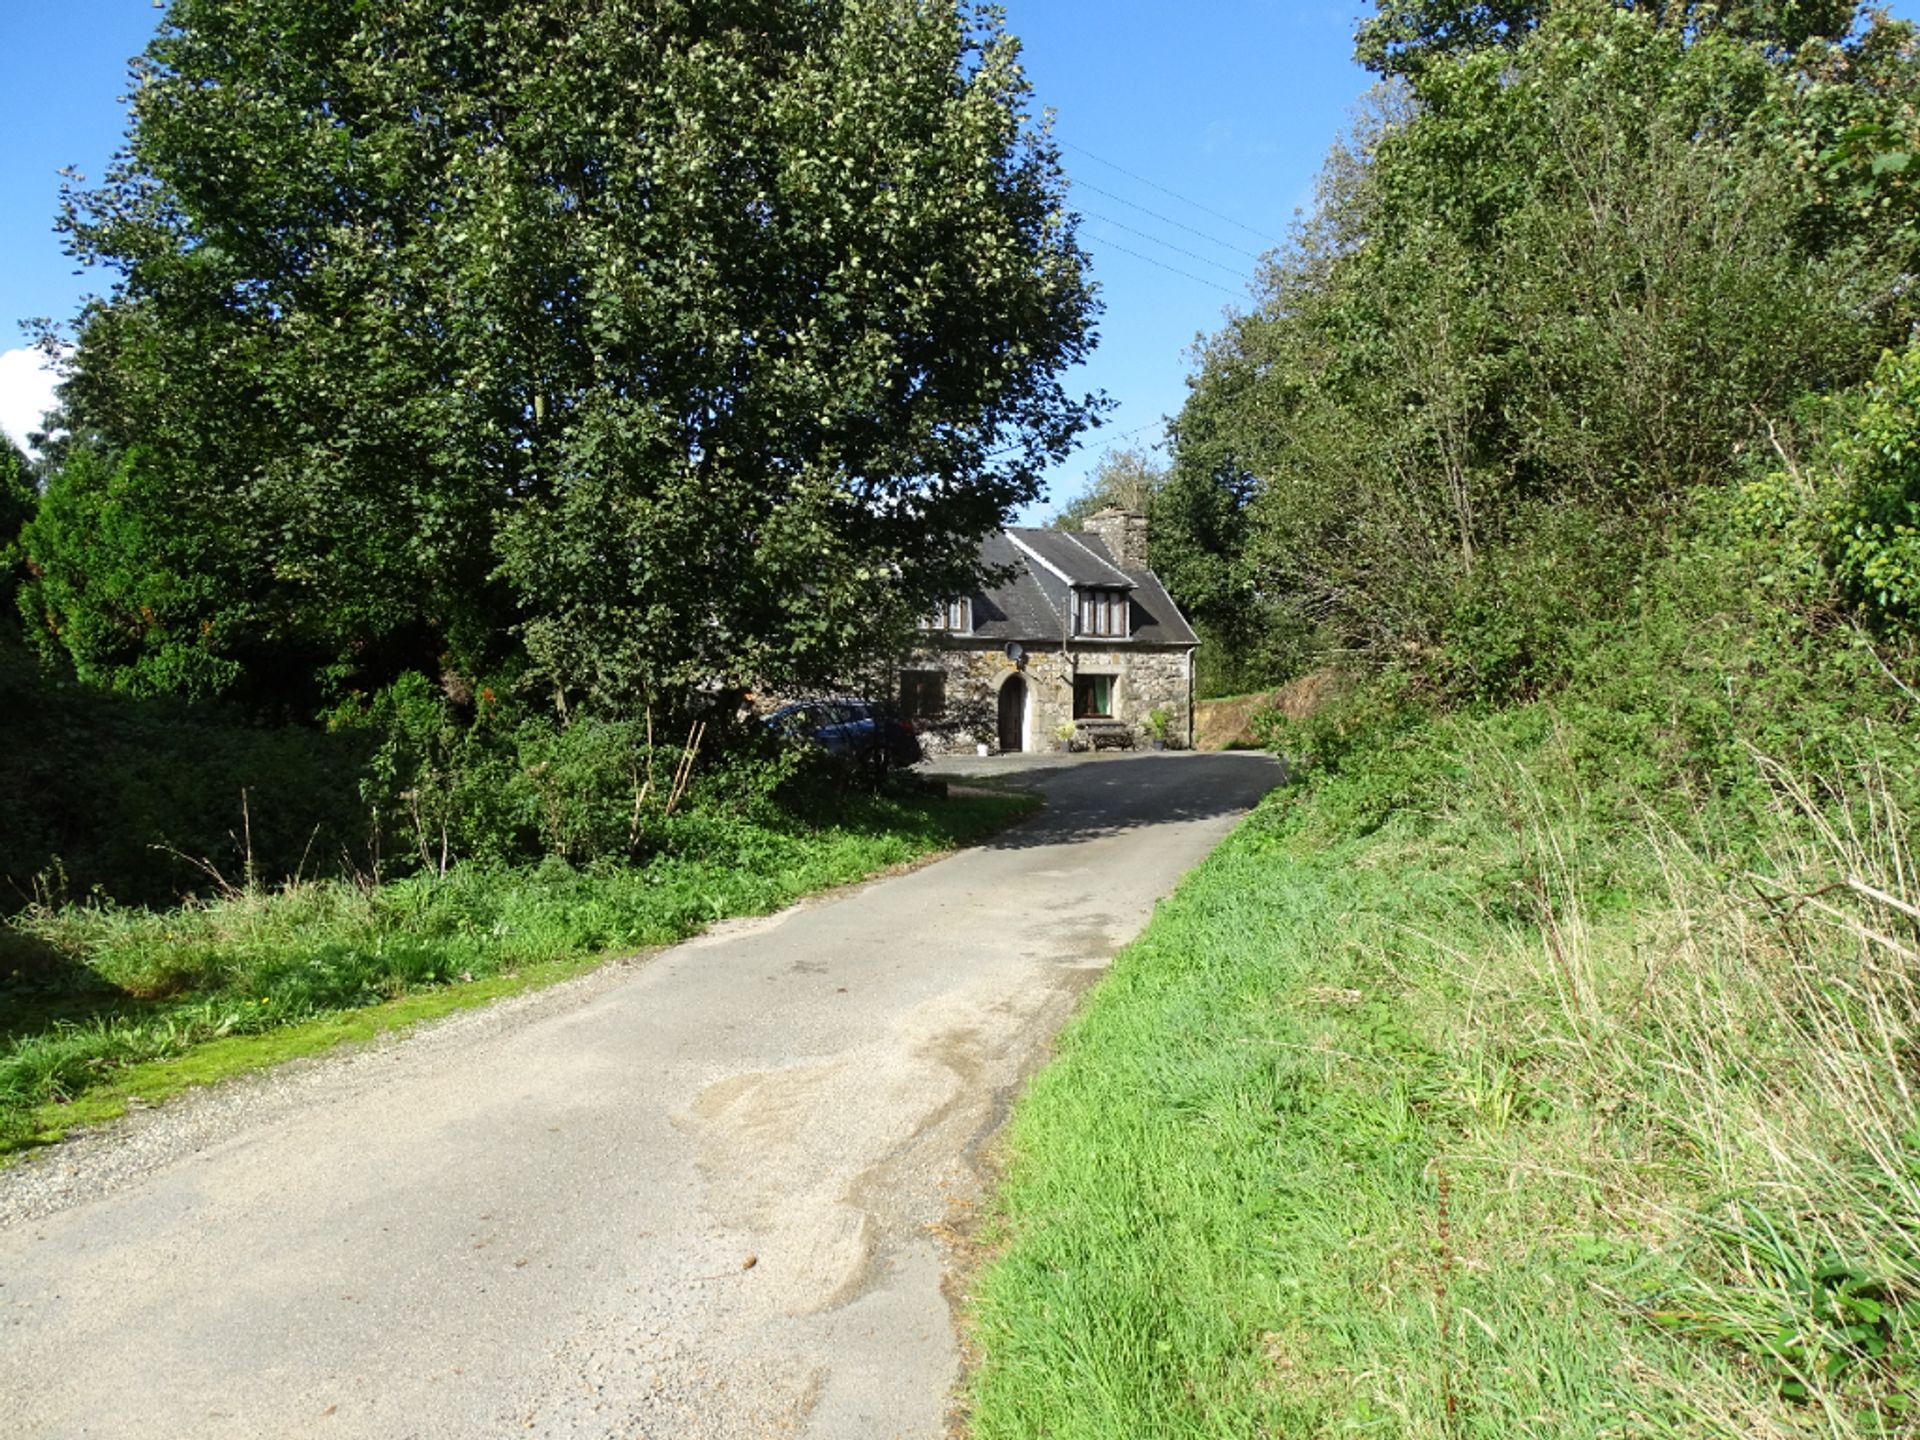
101, 1006
1507, 1106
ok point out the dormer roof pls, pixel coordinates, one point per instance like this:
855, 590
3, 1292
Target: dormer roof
1044, 567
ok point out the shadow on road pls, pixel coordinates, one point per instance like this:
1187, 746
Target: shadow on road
1092, 800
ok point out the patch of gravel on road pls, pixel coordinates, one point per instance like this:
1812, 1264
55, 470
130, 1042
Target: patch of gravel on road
102, 1159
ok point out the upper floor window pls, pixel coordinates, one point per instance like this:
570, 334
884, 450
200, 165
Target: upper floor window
953, 615
1103, 612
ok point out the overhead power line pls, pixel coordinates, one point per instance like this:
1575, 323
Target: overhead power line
1233, 270
1109, 441
1169, 220
1174, 269
1183, 199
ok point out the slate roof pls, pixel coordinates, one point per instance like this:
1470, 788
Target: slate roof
1029, 603
1072, 557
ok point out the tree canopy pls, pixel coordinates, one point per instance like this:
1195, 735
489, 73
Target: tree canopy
19, 498
1125, 479
1404, 37
1549, 291
635, 346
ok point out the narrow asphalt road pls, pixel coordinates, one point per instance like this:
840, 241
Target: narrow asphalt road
696, 1196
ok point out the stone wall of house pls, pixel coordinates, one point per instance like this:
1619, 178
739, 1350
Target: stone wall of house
1144, 680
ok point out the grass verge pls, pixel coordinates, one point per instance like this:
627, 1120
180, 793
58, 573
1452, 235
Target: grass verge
103, 1006
1516, 1106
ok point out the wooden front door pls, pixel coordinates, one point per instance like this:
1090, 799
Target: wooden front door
1013, 715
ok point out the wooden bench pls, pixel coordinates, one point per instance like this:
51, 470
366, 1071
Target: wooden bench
1104, 734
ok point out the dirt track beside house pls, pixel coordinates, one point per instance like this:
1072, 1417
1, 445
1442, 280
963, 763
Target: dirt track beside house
700, 1196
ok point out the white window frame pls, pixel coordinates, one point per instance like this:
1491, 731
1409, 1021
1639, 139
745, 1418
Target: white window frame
954, 616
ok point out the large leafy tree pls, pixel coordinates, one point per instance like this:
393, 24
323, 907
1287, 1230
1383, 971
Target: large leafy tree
679, 342
1551, 291
1405, 37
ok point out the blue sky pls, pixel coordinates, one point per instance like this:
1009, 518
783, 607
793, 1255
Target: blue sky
1230, 106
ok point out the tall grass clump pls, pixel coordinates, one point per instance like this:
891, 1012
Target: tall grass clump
1733, 1061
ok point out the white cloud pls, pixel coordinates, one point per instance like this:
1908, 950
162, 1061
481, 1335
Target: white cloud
26, 392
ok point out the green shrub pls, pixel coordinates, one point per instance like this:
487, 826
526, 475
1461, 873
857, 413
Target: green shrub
1851, 514
149, 799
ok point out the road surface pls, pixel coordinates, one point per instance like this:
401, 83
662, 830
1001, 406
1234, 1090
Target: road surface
697, 1195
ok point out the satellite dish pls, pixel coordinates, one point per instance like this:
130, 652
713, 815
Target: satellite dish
1015, 651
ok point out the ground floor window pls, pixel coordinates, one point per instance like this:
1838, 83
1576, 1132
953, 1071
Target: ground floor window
1093, 697
923, 694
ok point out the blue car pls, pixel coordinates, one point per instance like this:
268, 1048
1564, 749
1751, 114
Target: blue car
853, 729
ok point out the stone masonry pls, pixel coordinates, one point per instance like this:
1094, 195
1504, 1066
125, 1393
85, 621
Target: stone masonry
1145, 680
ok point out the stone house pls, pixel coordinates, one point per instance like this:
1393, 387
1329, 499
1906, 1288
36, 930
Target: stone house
1073, 629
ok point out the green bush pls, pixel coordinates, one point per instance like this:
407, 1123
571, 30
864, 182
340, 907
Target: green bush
1849, 518
1874, 532
149, 800
146, 800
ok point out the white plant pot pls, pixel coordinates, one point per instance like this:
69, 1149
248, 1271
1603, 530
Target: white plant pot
983, 749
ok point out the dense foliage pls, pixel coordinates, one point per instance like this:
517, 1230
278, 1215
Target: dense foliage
1406, 37
613, 352
1121, 479
19, 498
1554, 287
1539, 1062
487, 398
1851, 513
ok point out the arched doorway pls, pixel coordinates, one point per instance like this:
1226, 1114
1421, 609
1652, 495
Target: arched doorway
1013, 715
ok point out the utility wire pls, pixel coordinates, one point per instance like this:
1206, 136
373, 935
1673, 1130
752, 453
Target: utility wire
1174, 270
1107, 442
1183, 199
1233, 270
1169, 220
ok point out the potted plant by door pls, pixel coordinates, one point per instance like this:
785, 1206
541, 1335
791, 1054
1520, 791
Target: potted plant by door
1158, 724
1064, 733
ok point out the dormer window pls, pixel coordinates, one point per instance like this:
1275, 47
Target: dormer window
1102, 613
954, 615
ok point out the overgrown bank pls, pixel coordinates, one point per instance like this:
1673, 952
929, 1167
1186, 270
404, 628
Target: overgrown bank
99, 1004
1545, 1070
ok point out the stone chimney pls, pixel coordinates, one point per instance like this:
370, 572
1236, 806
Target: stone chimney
1124, 533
